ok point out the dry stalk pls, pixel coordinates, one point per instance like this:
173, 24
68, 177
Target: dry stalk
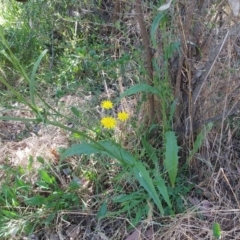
148, 54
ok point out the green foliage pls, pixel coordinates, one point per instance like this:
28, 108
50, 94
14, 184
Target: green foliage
154, 28
171, 156
199, 140
216, 230
102, 211
126, 159
45, 198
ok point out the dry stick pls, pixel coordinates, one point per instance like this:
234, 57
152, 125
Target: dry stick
225, 177
117, 11
177, 91
148, 53
211, 62
225, 103
185, 29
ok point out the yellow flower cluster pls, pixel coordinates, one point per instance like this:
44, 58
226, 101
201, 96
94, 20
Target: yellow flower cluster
110, 122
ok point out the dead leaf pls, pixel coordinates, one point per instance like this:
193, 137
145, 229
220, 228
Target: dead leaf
150, 233
135, 235
165, 6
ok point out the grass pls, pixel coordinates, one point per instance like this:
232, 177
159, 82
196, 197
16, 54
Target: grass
72, 167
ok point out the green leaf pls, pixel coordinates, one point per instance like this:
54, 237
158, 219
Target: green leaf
21, 185
76, 112
142, 175
122, 198
172, 111
49, 218
199, 141
34, 201
102, 211
33, 76
151, 153
171, 156
116, 151
154, 28
45, 177
40, 159
160, 183
78, 149
216, 230
138, 88
170, 49
103, 147
9, 214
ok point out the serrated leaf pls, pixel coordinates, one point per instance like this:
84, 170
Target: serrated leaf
171, 156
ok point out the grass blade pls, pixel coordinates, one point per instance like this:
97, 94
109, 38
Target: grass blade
199, 141
154, 28
33, 76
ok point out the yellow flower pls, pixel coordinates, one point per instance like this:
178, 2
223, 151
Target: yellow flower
123, 116
108, 122
106, 104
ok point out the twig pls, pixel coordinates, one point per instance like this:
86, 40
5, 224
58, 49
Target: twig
209, 66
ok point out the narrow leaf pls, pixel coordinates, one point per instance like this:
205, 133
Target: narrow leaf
154, 28
139, 88
45, 177
102, 211
160, 183
34, 201
172, 111
103, 147
127, 197
76, 112
78, 149
151, 151
117, 152
142, 175
33, 77
199, 141
171, 156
